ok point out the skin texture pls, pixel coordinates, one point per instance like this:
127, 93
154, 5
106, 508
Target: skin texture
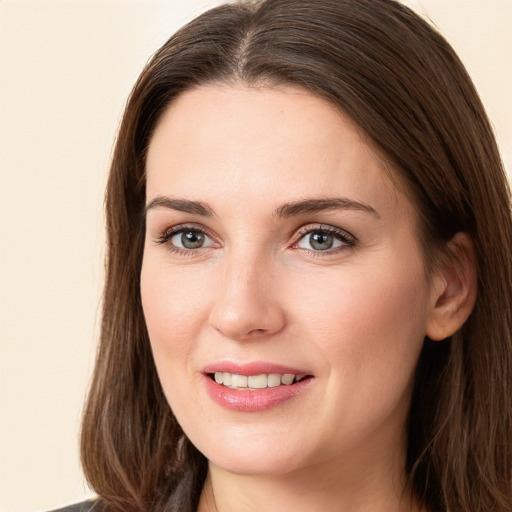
353, 316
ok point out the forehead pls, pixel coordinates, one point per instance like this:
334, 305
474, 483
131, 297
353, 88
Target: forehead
266, 144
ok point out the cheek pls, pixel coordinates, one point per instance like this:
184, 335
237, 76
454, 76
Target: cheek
174, 313
172, 296
368, 323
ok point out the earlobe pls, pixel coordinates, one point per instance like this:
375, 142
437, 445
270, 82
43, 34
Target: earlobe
454, 289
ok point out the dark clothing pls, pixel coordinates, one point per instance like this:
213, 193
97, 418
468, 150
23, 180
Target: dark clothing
85, 506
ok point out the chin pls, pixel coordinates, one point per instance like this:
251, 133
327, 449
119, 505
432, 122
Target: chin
270, 457
262, 466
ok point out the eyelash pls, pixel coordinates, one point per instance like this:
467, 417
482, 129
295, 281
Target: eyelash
166, 236
348, 240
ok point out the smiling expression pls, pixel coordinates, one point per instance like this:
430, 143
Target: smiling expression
277, 244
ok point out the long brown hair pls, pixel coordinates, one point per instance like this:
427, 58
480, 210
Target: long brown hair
403, 85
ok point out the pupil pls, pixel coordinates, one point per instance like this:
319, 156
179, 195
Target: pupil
192, 239
321, 241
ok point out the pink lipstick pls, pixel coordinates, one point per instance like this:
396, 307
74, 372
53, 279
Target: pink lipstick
253, 387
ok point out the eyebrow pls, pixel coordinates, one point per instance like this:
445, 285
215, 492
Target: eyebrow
291, 209
181, 205
322, 204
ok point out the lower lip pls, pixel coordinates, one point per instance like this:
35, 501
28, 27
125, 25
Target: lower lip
253, 400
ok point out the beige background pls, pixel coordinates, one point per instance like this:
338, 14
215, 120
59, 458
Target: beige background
66, 68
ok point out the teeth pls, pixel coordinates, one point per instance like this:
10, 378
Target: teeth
257, 381
272, 380
239, 381
287, 378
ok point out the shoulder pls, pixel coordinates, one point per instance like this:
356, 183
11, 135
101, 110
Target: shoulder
84, 506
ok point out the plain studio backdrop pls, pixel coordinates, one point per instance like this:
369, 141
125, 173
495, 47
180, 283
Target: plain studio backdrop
66, 68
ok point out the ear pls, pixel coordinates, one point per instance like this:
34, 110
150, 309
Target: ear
454, 288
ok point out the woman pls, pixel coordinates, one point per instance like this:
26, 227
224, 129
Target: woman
308, 290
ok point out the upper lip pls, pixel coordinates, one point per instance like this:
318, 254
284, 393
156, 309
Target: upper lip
252, 368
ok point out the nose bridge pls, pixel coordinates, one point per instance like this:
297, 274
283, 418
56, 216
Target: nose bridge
245, 305
244, 269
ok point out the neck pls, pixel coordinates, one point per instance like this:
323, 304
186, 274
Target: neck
327, 488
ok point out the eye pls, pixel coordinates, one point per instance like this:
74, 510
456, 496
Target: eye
191, 239
185, 238
324, 239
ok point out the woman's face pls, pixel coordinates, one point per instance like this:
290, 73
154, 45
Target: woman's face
277, 245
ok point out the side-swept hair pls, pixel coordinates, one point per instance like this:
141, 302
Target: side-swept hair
403, 85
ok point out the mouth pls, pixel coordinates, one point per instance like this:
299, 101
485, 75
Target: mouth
255, 386
238, 381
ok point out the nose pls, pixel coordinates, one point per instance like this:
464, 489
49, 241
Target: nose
246, 306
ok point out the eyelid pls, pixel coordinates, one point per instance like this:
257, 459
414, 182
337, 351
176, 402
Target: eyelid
166, 235
343, 235
347, 238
